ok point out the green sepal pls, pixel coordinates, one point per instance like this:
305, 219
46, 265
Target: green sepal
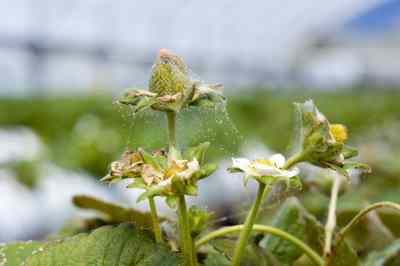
198, 219
178, 185
171, 201
365, 168
246, 179
234, 170
139, 100
191, 189
137, 183
349, 152
149, 159
295, 183
205, 171
110, 178
267, 180
339, 169
151, 192
175, 154
197, 152
207, 95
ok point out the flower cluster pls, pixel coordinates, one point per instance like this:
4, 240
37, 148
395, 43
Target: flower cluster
171, 88
159, 174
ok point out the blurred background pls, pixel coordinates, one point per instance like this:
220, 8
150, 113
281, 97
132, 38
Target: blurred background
62, 64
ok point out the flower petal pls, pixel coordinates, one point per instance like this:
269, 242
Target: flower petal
192, 167
242, 164
278, 160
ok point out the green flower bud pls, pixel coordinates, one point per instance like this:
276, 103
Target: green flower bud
171, 88
321, 143
169, 74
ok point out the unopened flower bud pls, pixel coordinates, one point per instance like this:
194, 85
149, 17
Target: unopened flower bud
169, 74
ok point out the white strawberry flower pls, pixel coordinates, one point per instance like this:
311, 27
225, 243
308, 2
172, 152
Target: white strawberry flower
265, 168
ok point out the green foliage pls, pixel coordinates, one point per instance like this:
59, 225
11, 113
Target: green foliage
108, 245
294, 219
15, 254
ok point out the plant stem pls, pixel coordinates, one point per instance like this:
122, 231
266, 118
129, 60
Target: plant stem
296, 158
194, 253
331, 221
154, 218
184, 231
171, 117
265, 229
342, 233
248, 225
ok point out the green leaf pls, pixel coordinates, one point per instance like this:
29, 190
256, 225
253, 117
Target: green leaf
216, 259
108, 245
14, 254
114, 213
390, 256
294, 219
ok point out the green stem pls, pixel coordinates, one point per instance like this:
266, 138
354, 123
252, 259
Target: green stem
184, 231
298, 157
264, 229
342, 233
194, 253
248, 225
171, 117
331, 221
154, 218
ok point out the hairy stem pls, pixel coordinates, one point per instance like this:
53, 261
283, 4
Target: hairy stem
184, 231
264, 229
171, 117
248, 225
154, 218
331, 221
384, 204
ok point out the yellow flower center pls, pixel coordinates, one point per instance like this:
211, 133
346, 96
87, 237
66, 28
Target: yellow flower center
264, 162
339, 132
